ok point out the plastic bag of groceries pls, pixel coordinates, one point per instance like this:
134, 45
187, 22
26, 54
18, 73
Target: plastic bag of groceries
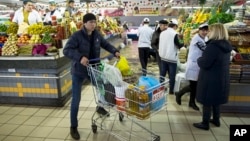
112, 75
123, 66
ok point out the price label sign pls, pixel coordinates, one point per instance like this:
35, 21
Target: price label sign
158, 94
11, 70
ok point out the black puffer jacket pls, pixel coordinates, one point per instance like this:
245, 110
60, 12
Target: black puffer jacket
155, 39
213, 82
79, 45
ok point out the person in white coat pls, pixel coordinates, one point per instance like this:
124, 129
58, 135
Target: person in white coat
197, 46
145, 34
27, 14
52, 12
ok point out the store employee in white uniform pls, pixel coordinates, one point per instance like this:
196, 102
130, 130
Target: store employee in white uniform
52, 12
27, 14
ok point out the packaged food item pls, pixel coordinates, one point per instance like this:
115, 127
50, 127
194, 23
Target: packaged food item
131, 102
144, 107
120, 103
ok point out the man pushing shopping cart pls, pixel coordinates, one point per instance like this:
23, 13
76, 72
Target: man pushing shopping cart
82, 46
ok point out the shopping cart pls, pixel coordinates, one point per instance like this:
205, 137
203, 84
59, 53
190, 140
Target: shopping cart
125, 99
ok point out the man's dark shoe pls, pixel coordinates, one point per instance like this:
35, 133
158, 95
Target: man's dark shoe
215, 122
177, 98
194, 106
102, 111
201, 125
74, 133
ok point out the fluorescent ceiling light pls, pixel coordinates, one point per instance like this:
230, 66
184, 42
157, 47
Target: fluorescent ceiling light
2, 5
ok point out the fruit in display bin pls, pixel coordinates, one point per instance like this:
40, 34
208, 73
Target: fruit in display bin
10, 48
35, 39
47, 39
3, 39
52, 50
25, 50
3, 28
35, 29
23, 39
12, 29
49, 29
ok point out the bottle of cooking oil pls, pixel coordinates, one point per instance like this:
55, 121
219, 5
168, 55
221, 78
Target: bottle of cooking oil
135, 102
144, 107
128, 102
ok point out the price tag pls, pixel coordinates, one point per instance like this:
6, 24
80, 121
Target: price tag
158, 94
11, 70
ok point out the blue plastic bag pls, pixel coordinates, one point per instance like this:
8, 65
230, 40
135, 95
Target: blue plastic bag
148, 82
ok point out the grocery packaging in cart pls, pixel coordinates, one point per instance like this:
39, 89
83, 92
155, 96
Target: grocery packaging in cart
141, 98
154, 89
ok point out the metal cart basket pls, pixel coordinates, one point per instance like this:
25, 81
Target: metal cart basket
124, 98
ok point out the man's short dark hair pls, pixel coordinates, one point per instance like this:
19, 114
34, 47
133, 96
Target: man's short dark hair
26, 1
71, 1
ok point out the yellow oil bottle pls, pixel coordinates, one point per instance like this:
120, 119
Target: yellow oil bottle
144, 107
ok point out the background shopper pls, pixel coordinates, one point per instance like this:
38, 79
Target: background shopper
144, 43
163, 25
168, 48
213, 81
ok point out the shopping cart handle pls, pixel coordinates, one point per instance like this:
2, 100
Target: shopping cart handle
98, 59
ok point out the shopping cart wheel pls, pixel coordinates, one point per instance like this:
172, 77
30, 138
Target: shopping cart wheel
157, 138
121, 116
94, 128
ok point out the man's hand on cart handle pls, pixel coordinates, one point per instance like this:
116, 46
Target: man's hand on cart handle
117, 55
84, 61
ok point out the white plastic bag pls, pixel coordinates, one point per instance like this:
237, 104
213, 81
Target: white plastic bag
113, 75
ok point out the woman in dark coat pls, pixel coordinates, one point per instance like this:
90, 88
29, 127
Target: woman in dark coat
213, 81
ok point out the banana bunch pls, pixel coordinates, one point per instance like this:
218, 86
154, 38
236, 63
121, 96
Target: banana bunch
187, 35
196, 15
200, 16
12, 29
35, 29
109, 25
48, 29
243, 49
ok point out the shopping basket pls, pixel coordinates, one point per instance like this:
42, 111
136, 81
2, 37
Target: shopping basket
126, 99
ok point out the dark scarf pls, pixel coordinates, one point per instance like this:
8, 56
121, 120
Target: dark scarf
52, 12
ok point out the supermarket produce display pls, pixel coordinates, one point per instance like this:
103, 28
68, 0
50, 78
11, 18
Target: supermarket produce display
33, 70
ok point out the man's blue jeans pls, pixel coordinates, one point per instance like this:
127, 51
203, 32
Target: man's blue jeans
171, 69
76, 98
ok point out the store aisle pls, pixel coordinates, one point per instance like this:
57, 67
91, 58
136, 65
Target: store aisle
35, 123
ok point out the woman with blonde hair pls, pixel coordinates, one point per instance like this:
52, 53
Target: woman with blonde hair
213, 80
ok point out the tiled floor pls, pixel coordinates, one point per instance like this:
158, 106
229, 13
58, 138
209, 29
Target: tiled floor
35, 123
